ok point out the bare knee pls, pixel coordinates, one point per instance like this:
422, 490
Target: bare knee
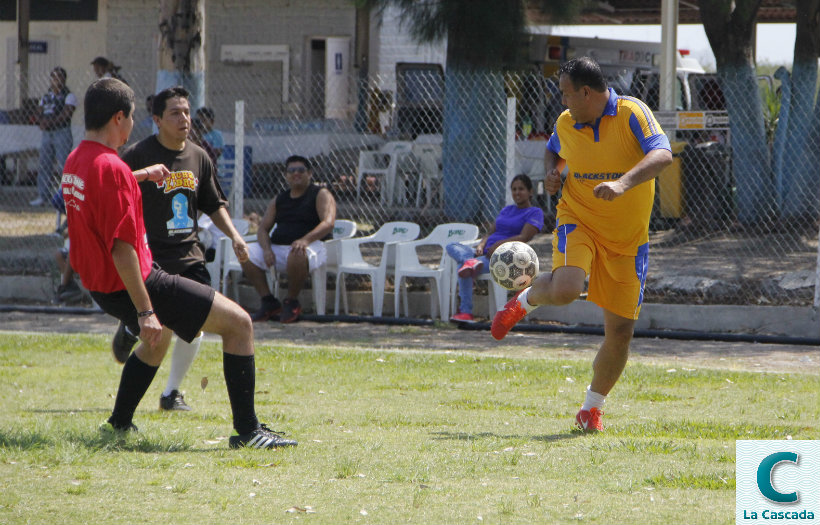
228, 319
239, 322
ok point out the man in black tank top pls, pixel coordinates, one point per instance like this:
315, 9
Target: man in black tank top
301, 217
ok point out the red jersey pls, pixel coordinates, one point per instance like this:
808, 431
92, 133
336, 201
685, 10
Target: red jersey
103, 202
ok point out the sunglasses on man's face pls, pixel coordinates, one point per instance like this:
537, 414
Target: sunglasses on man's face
296, 169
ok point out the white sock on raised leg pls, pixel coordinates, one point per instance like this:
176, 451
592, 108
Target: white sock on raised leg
181, 361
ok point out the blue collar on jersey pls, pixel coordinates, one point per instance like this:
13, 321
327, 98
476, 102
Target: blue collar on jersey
611, 109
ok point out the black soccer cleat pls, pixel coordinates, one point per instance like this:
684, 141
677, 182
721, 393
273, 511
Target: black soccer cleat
108, 429
122, 344
173, 401
262, 437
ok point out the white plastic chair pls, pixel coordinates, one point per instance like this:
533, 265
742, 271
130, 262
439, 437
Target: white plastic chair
383, 163
216, 267
428, 162
496, 294
408, 265
342, 229
352, 262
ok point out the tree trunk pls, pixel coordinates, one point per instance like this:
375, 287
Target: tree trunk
181, 57
474, 155
475, 108
729, 27
798, 174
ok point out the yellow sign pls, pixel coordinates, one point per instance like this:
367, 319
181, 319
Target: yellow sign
690, 120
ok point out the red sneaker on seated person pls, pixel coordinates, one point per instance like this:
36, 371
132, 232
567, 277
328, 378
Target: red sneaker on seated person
470, 268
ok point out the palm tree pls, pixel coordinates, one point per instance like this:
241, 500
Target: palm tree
788, 183
796, 176
730, 28
483, 38
180, 53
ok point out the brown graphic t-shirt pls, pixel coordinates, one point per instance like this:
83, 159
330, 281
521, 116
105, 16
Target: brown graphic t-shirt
171, 207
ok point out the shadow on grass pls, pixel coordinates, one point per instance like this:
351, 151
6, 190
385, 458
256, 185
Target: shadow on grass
95, 441
68, 410
465, 436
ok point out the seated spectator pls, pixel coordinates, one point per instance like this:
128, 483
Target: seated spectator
516, 222
144, 127
210, 136
68, 290
197, 136
300, 217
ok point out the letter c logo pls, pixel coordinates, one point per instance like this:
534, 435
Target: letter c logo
764, 477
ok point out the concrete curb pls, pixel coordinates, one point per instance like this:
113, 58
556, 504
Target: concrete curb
793, 321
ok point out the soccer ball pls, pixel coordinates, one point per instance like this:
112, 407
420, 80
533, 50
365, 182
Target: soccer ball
514, 265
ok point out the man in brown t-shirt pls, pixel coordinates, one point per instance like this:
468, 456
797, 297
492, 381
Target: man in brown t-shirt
170, 208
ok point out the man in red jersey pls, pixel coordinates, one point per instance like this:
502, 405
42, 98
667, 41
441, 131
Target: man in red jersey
110, 253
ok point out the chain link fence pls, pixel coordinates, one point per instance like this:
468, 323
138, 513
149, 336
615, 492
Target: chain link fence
735, 218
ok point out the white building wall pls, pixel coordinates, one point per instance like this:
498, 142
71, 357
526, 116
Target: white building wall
126, 32
390, 42
71, 45
270, 22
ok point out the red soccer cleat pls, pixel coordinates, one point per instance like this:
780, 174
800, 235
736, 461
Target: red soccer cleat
590, 420
507, 317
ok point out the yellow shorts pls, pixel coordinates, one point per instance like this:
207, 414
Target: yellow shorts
616, 282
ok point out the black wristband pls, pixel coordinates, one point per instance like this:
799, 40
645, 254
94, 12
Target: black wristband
146, 313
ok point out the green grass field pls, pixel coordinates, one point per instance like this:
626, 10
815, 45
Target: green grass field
385, 437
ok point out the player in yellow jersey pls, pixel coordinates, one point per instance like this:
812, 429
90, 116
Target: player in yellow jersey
614, 148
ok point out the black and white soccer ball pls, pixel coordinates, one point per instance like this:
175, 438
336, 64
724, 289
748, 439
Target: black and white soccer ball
514, 265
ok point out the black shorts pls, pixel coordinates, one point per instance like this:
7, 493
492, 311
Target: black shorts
198, 272
179, 303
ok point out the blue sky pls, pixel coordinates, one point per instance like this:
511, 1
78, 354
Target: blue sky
775, 42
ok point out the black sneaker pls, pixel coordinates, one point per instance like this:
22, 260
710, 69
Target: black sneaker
262, 437
173, 401
290, 311
69, 293
122, 344
270, 308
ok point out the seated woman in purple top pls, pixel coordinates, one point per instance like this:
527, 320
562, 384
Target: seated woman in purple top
516, 222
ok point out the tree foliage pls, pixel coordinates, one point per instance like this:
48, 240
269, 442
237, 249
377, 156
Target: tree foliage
480, 34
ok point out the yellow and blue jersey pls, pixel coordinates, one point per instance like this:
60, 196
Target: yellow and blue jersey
604, 151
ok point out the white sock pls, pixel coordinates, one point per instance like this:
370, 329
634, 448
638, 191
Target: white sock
181, 361
593, 399
522, 298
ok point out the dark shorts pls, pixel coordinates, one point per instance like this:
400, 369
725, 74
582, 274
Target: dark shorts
198, 272
180, 303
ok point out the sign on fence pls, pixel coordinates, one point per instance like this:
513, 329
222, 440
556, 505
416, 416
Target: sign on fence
690, 120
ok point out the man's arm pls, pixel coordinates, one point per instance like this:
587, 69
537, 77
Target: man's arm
154, 173
128, 267
223, 221
64, 117
263, 232
553, 166
647, 169
326, 208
